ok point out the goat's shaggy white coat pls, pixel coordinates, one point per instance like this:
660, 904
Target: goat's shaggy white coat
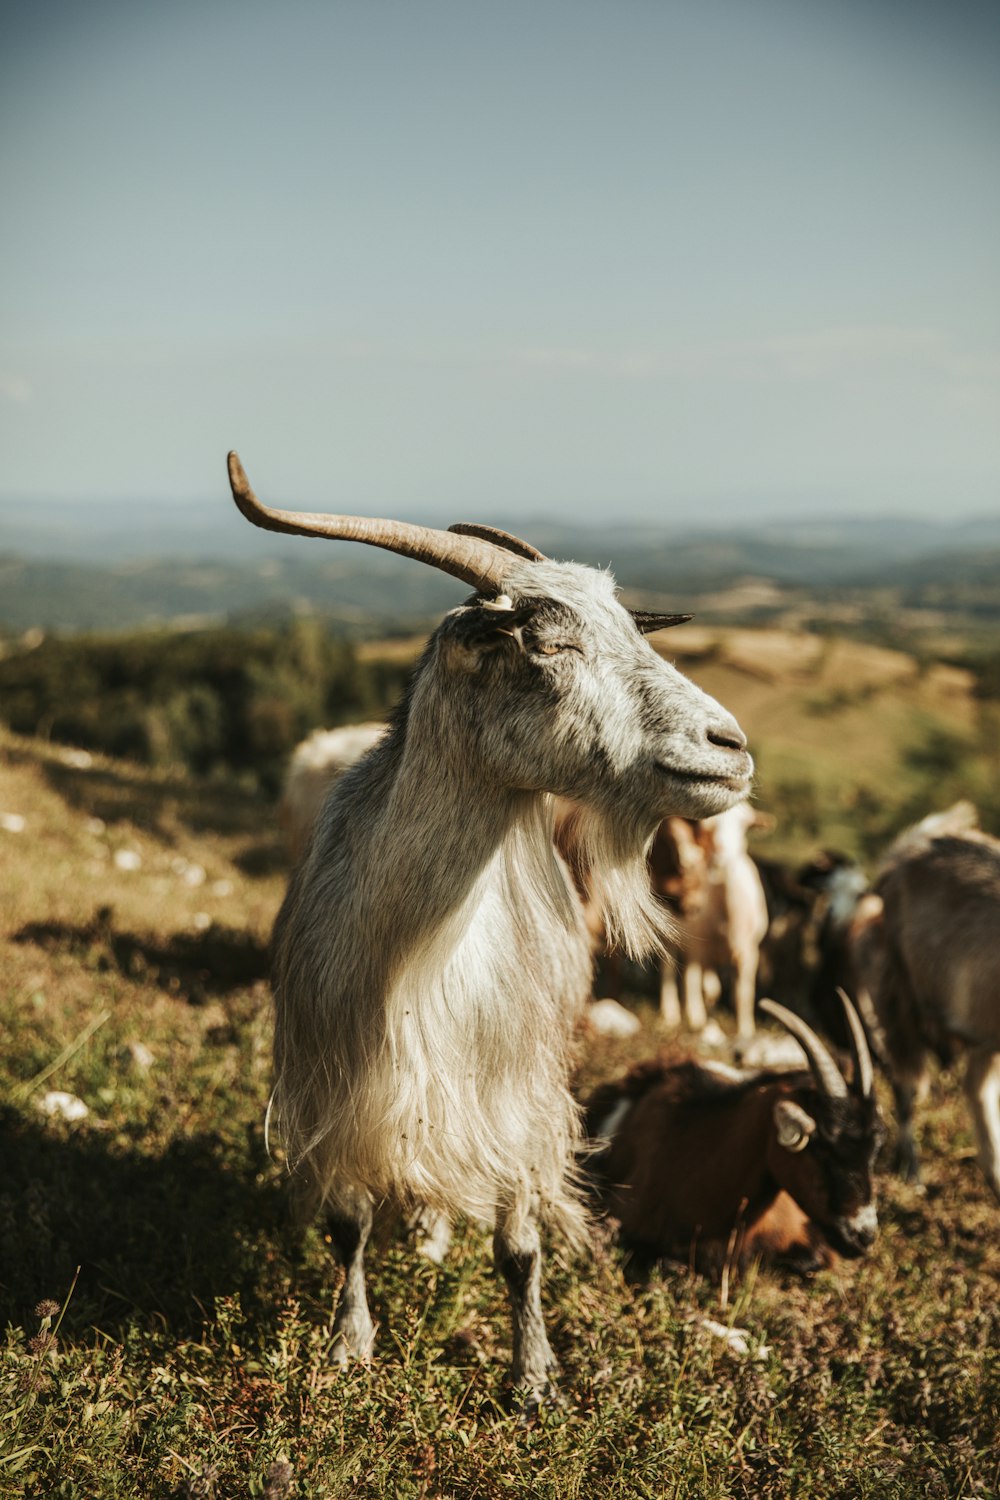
314, 768
431, 955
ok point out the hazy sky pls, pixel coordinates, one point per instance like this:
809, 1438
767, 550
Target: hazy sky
587, 259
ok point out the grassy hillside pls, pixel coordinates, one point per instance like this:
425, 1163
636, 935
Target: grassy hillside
167, 1324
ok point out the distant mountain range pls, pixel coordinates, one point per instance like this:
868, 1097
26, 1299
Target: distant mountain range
115, 565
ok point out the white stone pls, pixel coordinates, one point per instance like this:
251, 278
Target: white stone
59, 1105
738, 1340
141, 1056
608, 1018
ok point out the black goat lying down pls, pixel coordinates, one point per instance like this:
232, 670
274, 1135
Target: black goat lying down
705, 1164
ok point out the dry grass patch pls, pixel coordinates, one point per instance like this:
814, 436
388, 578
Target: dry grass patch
168, 1325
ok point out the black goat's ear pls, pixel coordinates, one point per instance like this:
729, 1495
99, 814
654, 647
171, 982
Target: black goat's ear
647, 622
794, 1127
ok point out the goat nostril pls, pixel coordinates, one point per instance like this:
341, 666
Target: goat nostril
727, 738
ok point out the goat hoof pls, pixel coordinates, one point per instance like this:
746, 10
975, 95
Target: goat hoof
351, 1347
529, 1402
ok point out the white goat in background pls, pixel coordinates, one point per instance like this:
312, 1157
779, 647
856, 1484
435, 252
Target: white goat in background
431, 955
315, 765
723, 917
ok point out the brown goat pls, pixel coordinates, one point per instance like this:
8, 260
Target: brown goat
702, 1163
925, 947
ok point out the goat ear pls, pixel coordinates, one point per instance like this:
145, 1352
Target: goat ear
793, 1125
487, 626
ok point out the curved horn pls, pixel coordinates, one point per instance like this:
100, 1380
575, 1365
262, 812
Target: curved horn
499, 538
862, 1052
475, 560
647, 622
828, 1076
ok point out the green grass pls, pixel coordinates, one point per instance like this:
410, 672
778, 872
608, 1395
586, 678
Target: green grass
168, 1325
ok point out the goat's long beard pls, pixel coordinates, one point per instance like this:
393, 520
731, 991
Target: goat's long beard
612, 864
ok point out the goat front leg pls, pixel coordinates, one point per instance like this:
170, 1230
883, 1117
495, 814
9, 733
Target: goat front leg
670, 1000
745, 996
517, 1252
982, 1089
904, 1091
349, 1220
694, 996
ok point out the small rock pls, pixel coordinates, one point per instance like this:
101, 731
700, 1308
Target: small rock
59, 1105
141, 1056
194, 875
13, 822
128, 859
222, 888
80, 760
96, 826
739, 1340
608, 1018
712, 1034
201, 921
765, 1050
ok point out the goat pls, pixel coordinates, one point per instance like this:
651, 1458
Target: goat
702, 1161
925, 949
802, 905
723, 910
315, 766
426, 982
839, 887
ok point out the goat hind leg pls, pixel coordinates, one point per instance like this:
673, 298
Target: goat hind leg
982, 1088
349, 1220
433, 1233
517, 1251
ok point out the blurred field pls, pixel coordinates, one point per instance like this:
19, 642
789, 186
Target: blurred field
190, 1355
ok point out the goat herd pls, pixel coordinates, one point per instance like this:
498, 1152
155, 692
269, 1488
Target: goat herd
550, 788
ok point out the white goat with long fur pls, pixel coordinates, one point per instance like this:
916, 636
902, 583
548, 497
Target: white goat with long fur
314, 767
431, 955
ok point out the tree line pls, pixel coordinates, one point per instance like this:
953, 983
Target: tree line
231, 701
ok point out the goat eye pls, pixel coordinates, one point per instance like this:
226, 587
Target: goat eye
554, 648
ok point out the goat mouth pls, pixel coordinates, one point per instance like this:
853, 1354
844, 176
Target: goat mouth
732, 783
848, 1245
